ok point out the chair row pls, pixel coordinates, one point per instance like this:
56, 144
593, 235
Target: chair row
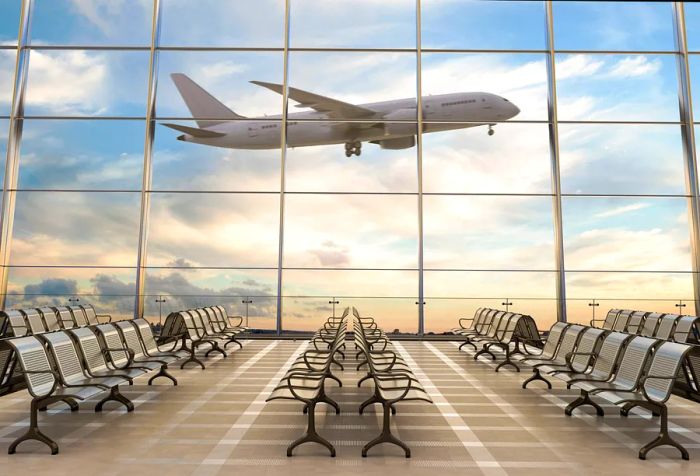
498, 330
208, 327
673, 327
73, 365
305, 379
32, 321
393, 378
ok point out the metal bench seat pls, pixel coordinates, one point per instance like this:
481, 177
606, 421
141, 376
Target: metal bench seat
549, 344
581, 359
96, 364
131, 337
151, 346
568, 342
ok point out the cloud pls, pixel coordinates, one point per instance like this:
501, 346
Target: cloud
331, 255
622, 210
633, 66
53, 286
179, 263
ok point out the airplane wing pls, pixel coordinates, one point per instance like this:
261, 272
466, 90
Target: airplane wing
334, 108
195, 132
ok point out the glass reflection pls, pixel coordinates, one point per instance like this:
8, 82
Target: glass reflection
87, 83
626, 234
81, 154
213, 229
110, 290
621, 159
7, 75
9, 20
635, 87
89, 229
351, 231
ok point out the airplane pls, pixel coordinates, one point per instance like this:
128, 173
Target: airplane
219, 126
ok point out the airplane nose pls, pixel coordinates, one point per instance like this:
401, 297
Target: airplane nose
515, 110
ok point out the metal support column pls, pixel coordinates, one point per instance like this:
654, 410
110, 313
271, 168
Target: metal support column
283, 161
14, 139
148, 161
554, 156
685, 107
419, 158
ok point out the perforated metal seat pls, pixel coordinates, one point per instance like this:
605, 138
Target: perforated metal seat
581, 359
95, 363
667, 324
50, 318
568, 342
604, 360
34, 321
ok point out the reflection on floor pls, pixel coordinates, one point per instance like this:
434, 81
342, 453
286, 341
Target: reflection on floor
216, 422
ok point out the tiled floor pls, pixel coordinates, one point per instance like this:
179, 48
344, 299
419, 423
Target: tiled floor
216, 422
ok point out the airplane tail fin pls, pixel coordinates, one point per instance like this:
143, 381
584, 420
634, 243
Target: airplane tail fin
201, 103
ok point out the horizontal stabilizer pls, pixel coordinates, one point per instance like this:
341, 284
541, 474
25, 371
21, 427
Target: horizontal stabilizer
194, 132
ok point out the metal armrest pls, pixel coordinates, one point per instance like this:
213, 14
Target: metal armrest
240, 320
654, 377
596, 320
56, 378
303, 375
130, 353
108, 316
464, 319
570, 355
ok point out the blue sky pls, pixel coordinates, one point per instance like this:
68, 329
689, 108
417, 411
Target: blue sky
199, 231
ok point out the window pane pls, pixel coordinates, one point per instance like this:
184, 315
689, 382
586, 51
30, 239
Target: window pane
227, 77
390, 166
7, 77
102, 22
613, 26
4, 131
82, 154
692, 25
644, 291
351, 231
89, 229
388, 296
454, 294
223, 24
519, 78
365, 79
617, 87
111, 291
495, 232
514, 160
210, 168
353, 24
621, 159
9, 21
694, 61
185, 288
213, 229
87, 83
626, 234
482, 25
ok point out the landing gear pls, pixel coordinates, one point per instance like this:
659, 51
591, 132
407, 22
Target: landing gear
491, 131
353, 148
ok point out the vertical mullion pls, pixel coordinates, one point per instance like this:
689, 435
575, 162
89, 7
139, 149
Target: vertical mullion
9, 193
283, 160
688, 138
554, 164
419, 164
147, 162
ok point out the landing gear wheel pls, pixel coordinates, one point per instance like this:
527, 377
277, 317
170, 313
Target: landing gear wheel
348, 153
491, 131
353, 148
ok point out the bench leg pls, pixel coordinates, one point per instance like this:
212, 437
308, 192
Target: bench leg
115, 396
74, 407
311, 436
366, 377
536, 375
370, 401
484, 350
215, 348
386, 436
467, 342
507, 361
33, 432
333, 377
664, 438
192, 358
233, 340
163, 372
337, 363
584, 399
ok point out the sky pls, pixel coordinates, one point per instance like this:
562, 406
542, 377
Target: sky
214, 222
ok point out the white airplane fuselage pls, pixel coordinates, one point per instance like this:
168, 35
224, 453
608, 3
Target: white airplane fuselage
316, 128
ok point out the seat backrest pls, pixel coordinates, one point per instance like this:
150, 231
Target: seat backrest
131, 337
495, 323
569, 340
66, 357
634, 324
608, 355
553, 339
501, 326
32, 357
650, 324
50, 318
112, 340
193, 330
34, 321
610, 318
685, 326
666, 362
205, 318
65, 316
633, 361
147, 337
78, 316
587, 344
622, 319
90, 314
90, 348
666, 326
17, 323
527, 328
486, 323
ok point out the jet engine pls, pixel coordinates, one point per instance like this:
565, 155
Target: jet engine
396, 144
401, 128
